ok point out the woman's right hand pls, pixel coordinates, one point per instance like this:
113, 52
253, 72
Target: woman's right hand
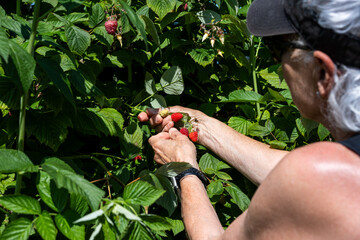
164, 124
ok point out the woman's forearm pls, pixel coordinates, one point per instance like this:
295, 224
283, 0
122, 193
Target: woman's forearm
200, 219
252, 158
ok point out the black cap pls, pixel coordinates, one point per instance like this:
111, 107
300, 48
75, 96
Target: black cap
279, 17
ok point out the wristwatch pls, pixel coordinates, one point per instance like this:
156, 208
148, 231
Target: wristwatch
192, 171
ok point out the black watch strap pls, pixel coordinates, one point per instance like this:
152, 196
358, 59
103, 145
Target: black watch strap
192, 171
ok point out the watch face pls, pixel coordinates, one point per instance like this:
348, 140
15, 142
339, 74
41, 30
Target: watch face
192, 171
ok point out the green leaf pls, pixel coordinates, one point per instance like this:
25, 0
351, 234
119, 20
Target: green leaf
18, 229
256, 130
20, 204
65, 226
158, 101
135, 20
91, 216
49, 129
103, 37
13, 161
203, 56
141, 193
208, 161
233, 6
272, 77
223, 175
73, 183
169, 199
241, 96
305, 126
156, 223
97, 15
149, 83
277, 144
208, 16
78, 39
161, 7
55, 74
323, 132
151, 29
238, 23
24, 63
137, 231
79, 204
55, 198
215, 188
83, 85
178, 225
238, 196
240, 124
4, 45
132, 140
172, 169
45, 226
118, 209
107, 120
172, 81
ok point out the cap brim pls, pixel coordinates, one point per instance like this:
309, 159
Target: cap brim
267, 18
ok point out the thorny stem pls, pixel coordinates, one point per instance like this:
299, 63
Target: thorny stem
24, 97
253, 65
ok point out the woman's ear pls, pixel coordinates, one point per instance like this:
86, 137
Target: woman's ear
326, 75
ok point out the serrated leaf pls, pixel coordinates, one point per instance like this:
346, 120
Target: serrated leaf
272, 77
172, 81
256, 130
238, 196
73, 182
178, 225
137, 231
20, 204
55, 74
132, 140
305, 126
151, 29
203, 56
208, 16
103, 37
18, 229
238, 23
233, 6
215, 188
4, 45
158, 101
55, 198
208, 161
107, 120
79, 204
78, 39
323, 132
96, 231
97, 15
45, 226
223, 175
83, 85
172, 169
24, 63
141, 193
150, 84
277, 144
156, 223
240, 124
118, 209
169, 199
49, 129
241, 96
135, 20
13, 161
161, 7
65, 226
91, 216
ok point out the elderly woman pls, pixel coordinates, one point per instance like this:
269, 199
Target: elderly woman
312, 192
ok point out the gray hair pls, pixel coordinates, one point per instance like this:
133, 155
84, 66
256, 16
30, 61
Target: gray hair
343, 16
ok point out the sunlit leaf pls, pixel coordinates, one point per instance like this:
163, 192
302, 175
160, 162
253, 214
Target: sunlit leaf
141, 193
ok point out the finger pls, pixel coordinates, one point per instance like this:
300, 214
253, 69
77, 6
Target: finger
155, 120
174, 133
143, 117
166, 124
153, 141
152, 111
158, 159
168, 127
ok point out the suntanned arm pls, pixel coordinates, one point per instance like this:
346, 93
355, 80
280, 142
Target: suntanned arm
252, 158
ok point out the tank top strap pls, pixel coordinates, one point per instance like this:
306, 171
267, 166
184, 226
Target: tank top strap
352, 143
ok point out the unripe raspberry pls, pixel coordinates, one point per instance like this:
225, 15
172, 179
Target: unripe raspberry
111, 26
164, 113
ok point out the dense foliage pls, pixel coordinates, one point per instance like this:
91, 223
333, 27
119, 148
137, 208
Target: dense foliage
70, 93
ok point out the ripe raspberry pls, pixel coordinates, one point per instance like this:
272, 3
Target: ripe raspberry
138, 157
184, 131
193, 136
111, 26
176, 117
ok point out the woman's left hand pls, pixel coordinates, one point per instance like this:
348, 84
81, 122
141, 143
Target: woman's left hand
173, 146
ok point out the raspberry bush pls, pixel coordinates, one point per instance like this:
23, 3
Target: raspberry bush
74, 160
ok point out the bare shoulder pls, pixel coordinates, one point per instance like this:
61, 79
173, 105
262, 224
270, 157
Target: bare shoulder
313, 193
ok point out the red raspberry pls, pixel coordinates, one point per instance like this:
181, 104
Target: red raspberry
138, 157
185, 7
176, 117
184, 131
193, 136
111, 26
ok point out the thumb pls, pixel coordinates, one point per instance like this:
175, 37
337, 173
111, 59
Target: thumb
174, 133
